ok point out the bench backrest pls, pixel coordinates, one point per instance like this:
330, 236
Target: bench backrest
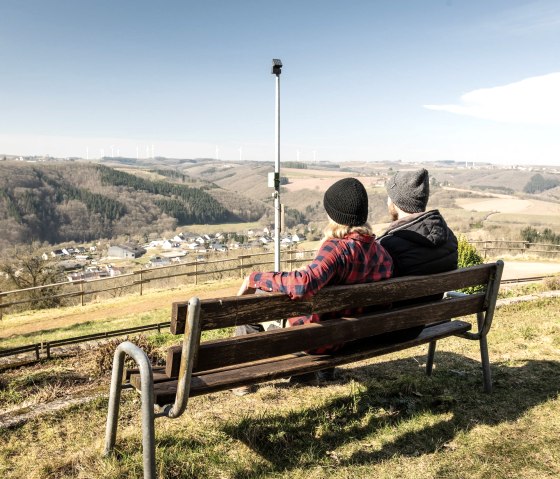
238, 310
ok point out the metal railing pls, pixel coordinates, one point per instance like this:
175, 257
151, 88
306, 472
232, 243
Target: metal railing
46, 347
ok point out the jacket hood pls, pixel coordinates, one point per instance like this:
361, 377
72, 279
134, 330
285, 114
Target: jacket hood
428, 229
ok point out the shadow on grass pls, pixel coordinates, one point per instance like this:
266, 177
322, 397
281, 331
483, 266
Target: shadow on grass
393, 393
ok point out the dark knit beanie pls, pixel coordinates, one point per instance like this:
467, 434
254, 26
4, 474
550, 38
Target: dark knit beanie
410, 191
346, 202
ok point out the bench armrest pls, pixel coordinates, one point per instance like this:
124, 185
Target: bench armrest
191, 343
484, 319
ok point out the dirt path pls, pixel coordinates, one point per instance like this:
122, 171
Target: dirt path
117, 308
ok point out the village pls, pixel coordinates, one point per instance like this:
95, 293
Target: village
83, 263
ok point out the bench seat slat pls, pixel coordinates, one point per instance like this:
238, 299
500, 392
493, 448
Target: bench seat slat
128, 372
236, 310
252, 373
242, 349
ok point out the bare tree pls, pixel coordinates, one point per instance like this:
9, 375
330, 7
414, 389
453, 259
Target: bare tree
27, 270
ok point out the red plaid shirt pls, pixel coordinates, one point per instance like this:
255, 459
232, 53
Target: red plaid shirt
353, 259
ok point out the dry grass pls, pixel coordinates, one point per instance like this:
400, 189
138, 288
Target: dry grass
382, 418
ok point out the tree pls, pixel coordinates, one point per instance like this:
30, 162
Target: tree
468, 256
27, 270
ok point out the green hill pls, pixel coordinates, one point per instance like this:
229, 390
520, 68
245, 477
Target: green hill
77, 201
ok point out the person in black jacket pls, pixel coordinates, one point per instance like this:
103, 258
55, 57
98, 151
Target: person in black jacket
419, 241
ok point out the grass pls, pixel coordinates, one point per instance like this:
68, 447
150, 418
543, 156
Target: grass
382, 418
89, 327
524, 219
112, 314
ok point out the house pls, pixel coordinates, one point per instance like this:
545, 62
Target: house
167, 244
265, 239
157, 261
218, 247
178, 238
57, 253
127, 250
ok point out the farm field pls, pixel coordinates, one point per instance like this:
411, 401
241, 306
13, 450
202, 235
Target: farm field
525, 219
510, 205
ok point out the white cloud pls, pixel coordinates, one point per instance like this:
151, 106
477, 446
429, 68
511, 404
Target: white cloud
534, 100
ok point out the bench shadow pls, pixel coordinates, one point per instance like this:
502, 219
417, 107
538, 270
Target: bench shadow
304, 438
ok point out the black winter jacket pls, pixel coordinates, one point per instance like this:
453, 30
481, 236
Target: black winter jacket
421, 243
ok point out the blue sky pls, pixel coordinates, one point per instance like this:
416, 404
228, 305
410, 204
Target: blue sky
415, 80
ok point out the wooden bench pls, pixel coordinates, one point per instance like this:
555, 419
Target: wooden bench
196, 368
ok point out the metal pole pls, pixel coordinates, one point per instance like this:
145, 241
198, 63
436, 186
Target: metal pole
147, 394
277, 70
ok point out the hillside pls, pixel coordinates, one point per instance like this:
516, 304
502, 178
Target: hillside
76, 201
63, 201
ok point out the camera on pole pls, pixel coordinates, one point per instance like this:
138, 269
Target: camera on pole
276, 66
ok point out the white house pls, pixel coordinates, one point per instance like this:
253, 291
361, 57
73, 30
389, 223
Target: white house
167, 244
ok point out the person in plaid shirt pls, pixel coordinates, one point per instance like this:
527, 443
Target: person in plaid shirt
349, 254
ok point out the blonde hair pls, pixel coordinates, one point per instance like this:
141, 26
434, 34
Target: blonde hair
335, 230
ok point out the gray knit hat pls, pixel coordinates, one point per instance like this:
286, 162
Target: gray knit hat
346, 202
410, 191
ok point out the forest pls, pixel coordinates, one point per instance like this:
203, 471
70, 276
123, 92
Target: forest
74, 201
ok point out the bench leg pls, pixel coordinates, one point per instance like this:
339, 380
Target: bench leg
147, 394
484, 358
431, 355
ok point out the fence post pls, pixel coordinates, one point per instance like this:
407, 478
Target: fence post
291, 259
82, 292
141, 282
195, 272
242, 275
1, 308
